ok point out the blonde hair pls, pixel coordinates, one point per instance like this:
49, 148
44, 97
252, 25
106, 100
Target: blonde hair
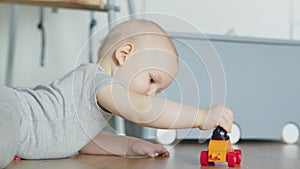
135, 30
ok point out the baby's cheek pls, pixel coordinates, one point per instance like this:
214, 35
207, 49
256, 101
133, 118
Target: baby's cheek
138, 88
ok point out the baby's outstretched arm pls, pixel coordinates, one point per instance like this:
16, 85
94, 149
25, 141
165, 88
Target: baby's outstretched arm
159, 112
109, 144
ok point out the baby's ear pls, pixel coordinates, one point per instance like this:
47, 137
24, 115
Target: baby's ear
123, 52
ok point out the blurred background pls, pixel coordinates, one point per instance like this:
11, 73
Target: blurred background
67, 30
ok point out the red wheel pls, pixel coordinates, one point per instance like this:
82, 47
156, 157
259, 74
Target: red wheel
231, 159
204, 158
238, 155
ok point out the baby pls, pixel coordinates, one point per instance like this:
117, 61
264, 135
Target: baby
136, 61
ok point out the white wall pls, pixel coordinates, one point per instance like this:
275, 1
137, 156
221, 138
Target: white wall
67, 30
262, 18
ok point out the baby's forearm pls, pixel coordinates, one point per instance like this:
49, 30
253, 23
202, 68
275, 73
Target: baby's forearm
149, 111
164, 113
107, 144
110, 144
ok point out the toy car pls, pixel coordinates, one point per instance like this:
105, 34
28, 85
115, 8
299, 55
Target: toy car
220, 150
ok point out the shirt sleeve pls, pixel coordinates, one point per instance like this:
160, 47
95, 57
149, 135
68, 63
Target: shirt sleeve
102, 79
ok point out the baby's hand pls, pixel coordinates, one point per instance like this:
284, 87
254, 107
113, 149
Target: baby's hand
217, 115
138, 147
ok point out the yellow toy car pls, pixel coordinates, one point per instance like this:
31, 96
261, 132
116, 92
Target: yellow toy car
220, 150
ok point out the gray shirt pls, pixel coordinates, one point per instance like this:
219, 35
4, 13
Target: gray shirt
57, 120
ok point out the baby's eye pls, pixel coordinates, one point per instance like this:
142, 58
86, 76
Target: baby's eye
151, 80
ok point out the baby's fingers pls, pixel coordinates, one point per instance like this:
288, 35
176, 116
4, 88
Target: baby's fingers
227, 120
159, 150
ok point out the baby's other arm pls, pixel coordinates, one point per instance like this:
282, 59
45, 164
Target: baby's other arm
153, 111
109, 144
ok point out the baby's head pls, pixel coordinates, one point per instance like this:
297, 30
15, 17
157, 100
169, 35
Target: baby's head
139, 53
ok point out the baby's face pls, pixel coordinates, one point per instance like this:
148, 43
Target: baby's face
148, 72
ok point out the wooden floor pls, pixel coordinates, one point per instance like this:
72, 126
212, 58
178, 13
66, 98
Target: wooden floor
256, 154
